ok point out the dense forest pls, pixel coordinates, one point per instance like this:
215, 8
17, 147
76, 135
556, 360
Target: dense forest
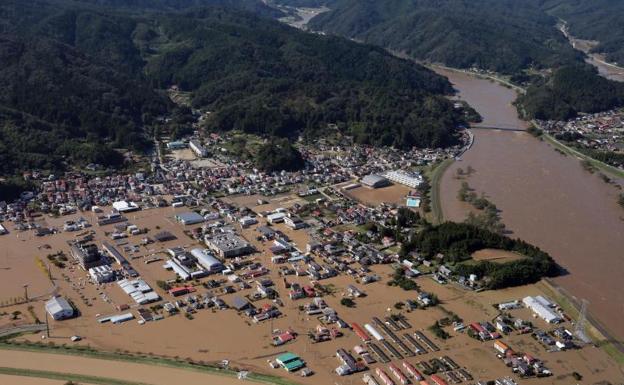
457, 242
570, 90
79, 73
278, 154
500, 35
57, 103
599, 20
267, 78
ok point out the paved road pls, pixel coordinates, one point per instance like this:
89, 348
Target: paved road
22, 329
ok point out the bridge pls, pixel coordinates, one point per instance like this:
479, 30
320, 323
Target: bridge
501, 128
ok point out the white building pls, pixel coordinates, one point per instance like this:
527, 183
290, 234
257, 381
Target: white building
101, 274
409, 179
538, 307
276, 218
125, 206
139, 290
248, 221
59, 309
207, 260
294, 222
198, 149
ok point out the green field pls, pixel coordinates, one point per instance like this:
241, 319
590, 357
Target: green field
436, 178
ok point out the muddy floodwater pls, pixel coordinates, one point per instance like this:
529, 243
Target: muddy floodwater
492, 101
546, 198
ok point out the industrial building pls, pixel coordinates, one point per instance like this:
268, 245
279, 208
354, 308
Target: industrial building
207, 260
198, 149
290, 361
116, 255
247, 221
294, 222
102, 274
87, 255
349, 365
139, 290
125, 206
542, 307
185, 264
59, 309
189, 218
228, 245
375, 181
275, 218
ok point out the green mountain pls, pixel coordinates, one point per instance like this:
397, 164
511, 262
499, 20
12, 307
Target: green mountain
267, 78
569, 91
55, 99
500, 35
82, 75
600, 20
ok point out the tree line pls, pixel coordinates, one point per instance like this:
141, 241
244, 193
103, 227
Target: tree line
457, 241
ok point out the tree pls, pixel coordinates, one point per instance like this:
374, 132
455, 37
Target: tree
348, 302
279, 154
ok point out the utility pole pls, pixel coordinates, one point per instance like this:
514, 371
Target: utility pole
26, 292
47, 325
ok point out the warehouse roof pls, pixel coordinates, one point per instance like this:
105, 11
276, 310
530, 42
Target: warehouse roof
374, 180
189, 218
58, 305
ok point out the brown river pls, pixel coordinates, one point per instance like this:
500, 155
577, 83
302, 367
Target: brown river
546, 198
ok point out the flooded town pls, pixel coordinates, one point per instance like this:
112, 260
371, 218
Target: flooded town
308, 269
322, 192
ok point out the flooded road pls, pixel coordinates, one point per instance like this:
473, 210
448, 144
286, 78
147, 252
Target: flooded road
546, 198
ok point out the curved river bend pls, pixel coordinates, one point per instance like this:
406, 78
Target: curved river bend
546, 198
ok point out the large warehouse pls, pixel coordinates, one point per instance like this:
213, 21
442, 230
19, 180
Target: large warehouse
207, 260
540, 306
375, 181
228, 245
189, 218
59, 309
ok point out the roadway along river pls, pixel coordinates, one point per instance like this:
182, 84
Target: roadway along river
546, 198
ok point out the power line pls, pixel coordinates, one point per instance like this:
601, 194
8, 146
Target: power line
579, 329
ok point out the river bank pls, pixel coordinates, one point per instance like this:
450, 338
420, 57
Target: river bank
546, 198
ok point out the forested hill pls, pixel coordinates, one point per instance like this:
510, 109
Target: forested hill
569, 91
54, 98
83, 74
600, 20
263, 77
500, 35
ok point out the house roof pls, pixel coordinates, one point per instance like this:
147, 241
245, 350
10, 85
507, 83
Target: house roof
240, 303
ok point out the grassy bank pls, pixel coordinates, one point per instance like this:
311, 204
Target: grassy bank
603, 167
436, 201
141, 358
77, 378
569, 306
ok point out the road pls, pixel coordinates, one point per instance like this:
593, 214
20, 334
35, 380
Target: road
36, 363
32, 328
